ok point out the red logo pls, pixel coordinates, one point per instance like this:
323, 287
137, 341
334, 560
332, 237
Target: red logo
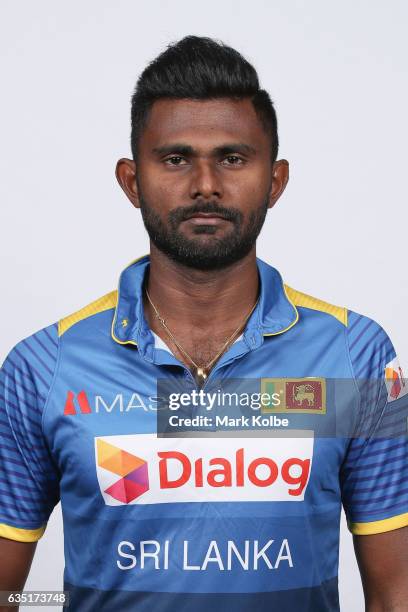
230, 474
82, 401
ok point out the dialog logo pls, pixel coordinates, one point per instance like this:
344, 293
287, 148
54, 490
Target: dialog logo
214, 469
133, 470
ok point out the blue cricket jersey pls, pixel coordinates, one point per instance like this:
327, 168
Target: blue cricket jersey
240, 507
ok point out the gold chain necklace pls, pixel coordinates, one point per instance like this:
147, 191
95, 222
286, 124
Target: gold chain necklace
201, 371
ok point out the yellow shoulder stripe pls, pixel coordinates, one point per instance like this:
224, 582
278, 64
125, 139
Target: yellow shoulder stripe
395, 522
21, 535
103, 303
302, 299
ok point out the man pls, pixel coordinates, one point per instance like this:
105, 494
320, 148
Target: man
217, 514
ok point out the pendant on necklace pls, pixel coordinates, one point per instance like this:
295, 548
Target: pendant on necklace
201, 374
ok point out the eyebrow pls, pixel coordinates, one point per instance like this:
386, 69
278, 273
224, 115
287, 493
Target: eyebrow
224, 149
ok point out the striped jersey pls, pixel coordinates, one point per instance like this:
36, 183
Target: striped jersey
176, 497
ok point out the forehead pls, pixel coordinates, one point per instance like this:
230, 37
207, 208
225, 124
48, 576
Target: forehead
212, 120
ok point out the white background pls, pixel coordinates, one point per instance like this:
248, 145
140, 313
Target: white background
337, 74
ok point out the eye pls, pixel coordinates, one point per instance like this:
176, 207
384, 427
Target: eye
234, 160
174, 160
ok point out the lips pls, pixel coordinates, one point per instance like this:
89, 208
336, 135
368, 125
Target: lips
207, 215
206, 219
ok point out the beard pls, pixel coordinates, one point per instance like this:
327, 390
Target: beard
210, 254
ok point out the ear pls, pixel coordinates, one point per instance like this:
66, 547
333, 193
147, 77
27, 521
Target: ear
126, 176
280, 177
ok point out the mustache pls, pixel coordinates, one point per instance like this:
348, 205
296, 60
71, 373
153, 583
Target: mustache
182, 213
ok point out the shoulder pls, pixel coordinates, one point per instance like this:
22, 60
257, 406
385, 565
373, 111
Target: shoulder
358, 326
29, 367
104, 303
369, 346
35, 356
304, 300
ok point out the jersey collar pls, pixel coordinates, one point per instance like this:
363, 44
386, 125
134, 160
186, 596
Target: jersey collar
277, 313
274, 314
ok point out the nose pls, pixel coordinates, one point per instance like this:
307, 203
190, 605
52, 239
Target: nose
205, 181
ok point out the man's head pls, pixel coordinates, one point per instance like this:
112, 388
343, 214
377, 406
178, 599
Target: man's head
204, 143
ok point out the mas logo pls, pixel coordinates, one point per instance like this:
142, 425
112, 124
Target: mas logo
145, 469
86, 403
297, 395
81, 400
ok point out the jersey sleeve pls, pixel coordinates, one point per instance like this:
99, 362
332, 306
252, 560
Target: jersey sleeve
374, 475
29, 479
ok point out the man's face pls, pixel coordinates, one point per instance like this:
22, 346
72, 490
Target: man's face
204, 180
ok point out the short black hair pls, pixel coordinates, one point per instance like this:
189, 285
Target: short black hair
200, 68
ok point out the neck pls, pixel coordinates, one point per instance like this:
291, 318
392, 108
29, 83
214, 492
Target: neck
199, 298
